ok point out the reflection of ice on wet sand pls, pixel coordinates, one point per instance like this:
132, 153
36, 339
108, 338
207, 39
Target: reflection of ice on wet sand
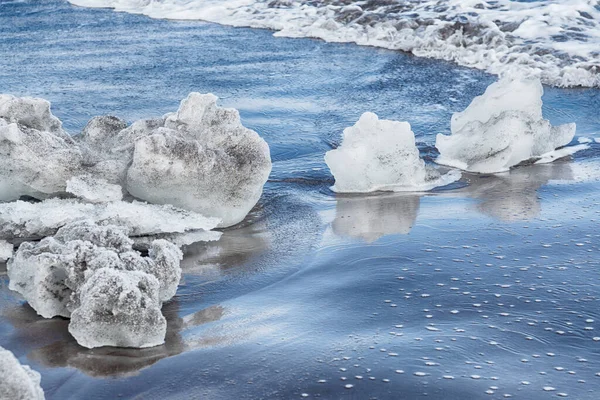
373, 216
513, 196
510, 196
64, 351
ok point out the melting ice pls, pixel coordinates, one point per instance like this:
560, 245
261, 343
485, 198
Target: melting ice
502, 128
381, 155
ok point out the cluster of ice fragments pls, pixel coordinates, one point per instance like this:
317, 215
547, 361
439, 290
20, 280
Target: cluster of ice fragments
200, 158
500, 129
91, 273
195, 169
18, 382
381, 155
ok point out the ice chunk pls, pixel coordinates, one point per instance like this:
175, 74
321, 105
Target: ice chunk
6, 250
33, 162
203, 159
119, 308
381, 155
94, 190
18, 382
30, 112
50, 273
502, 128
22, 219
200, 158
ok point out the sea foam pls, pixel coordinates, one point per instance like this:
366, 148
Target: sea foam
555, 41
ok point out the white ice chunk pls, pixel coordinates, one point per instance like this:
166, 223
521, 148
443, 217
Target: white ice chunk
34, 162
50, 273
22, 219
200, 158
119, 308
502, 128
381, 155
94, 190
18, 382
203, 160
6, 250
31, 112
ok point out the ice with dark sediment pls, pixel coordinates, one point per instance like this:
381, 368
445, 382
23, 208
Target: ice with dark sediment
200, 158
37, 155
502, 128
119, 308
92, 274
50, 273
381, 155
18, 382
553, 40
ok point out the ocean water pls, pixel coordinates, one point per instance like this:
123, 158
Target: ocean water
487, 288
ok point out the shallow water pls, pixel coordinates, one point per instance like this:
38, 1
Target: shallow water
480, 290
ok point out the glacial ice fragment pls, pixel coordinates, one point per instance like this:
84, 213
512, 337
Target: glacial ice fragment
49, 274
502, 128
119, 308
200, 158
34, 162
18, 382
203, 160
381, 155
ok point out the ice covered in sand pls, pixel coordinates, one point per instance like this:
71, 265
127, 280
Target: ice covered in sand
381, 155
22, 219
50, 273
18, 382
502, 128
119, 308
200, 158
6, 250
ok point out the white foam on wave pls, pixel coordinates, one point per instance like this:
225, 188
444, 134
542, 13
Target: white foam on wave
553, 40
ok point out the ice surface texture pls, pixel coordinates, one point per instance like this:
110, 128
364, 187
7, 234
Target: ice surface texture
53, 275
6, 250
119, 309
37, 155
18, 382
502, 128
21, 219
200, 158
381, 155
203, 159
555, 40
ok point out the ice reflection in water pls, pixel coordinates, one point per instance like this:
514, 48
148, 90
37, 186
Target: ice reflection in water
513, 196
369, 217
53, 346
